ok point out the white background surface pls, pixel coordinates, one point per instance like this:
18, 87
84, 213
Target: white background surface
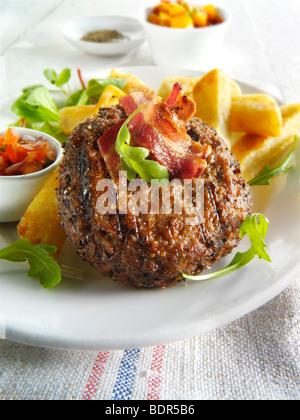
262, 49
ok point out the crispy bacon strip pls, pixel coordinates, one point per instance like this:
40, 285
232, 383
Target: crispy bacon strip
182, 105
163, 133
173, 97
107, 146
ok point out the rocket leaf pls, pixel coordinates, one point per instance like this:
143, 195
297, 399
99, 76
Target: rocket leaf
267, 173
39, 259
256, 226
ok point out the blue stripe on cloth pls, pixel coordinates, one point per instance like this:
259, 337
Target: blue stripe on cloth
126, 375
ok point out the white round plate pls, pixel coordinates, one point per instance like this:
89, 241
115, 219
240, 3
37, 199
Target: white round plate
73, 31
87, 311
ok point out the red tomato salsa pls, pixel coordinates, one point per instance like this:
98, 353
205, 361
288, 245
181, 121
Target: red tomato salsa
23, 155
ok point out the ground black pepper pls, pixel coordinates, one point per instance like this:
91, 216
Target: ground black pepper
106, 35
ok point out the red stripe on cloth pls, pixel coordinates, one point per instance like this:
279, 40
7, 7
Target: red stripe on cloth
154, 384
95, 376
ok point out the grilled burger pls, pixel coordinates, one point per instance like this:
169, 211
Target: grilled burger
151, 250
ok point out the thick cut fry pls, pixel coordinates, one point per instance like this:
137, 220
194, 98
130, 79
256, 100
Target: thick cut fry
167, 84
255, 152
133, 83
71, 116
41, 222
256, 114
212, 94
188, 84
109, 97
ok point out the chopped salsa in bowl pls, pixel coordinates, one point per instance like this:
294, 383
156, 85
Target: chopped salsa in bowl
27, 158
181, 14
23, 155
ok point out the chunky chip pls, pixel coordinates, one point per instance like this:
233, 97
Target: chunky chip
255, 114
109, 97
41, 222
255, 152
212, 94
71, 116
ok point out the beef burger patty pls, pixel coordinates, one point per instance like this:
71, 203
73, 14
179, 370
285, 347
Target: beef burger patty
149, 250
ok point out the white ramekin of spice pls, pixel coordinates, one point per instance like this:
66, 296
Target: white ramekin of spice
105, 35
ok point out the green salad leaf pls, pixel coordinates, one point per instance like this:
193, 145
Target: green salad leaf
267, 173
77, 98
59, 80
256, 226
54, 130
50, 75
39, 258
134, 159
36, 105
63, 77
31, 88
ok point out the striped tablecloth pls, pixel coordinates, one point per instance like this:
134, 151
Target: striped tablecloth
256, 357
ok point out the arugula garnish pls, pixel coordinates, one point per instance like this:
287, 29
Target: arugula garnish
256, 226
134, 159
267, 173
39, 258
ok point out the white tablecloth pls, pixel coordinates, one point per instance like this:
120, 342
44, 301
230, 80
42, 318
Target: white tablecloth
256, 357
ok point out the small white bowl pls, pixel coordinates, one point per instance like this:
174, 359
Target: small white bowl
18, 191
73, 31
185, 47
